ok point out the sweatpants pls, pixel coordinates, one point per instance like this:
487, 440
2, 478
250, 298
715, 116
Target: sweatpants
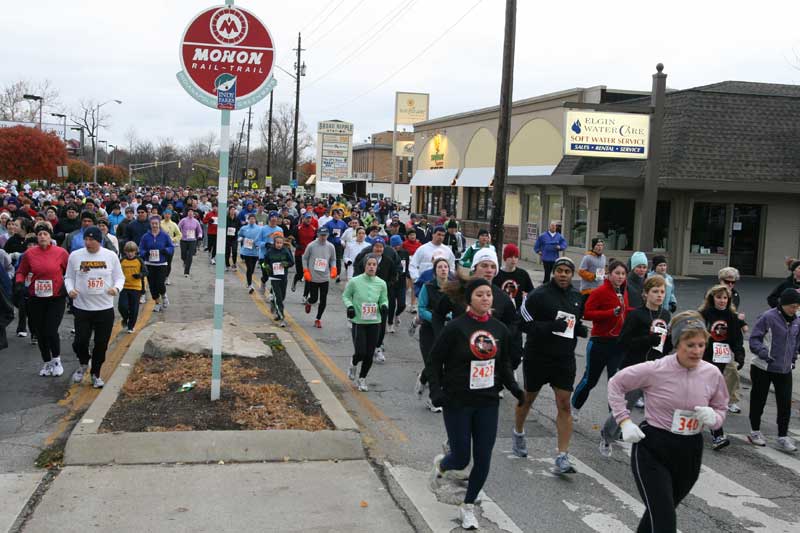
211, 244
44, 317
719, 432
318, 291
665, 468
22, 314
732, 382
339, 253
100, 323
188, 249
169, 265
397, 300
250, 267
758, 397
231, 246
601, 353
548, 269
365, 340
128, 306
426, 338
156, 276
298, 271
278, 293
470, 431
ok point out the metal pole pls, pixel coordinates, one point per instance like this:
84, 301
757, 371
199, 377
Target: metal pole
269, 137
394, 143
504, 127
247, 149
219, 281
41, 105
650, 194
293, 174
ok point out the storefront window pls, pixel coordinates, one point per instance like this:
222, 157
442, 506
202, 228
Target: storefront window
580, 210
615, 222
661, 237
534, 216
478, 203
436, 198
555, 208
708, 228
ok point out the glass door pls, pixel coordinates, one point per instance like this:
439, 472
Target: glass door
744, 238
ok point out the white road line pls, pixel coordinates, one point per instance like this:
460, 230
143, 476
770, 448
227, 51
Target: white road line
440, 517
794, 432
787, 461
596, 519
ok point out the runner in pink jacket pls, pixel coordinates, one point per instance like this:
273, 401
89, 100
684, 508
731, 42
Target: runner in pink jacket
684, 395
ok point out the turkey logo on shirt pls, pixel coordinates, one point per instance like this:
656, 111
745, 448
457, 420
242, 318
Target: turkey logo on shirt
511, 288
719, 330
483, 345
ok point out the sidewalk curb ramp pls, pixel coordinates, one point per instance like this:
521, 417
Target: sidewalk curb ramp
86, 446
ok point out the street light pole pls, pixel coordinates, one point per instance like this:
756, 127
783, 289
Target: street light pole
40, 99
269, 137
96, 134
300, 71
61, 115
113, 151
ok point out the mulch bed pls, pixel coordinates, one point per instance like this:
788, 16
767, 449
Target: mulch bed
257, 393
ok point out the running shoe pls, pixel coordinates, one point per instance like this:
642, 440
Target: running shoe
380, 355
575, 414
362, 385
167, 282
282, 324
294, 286
756, 438
157, 308
466, 513
563, 464
213, 261
786, 444
97, 382
34, 340
250, 289
432, 408
56, 369
351, 372
414, 310
308, 307
124, 322
338, 280
605, 447
640, 403
318, 324
719, 442
734, 409
419, 387
436, 472
397, 321
412, 328
166, 301
519, 445
142, 299
390, 329
77, 376
47, 369
186, 275
22, 334
131, 330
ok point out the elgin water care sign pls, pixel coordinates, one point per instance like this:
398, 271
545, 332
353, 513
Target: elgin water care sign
227, 55
596, 134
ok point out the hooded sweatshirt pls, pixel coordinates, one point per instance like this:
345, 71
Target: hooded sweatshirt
592, 271
367, 295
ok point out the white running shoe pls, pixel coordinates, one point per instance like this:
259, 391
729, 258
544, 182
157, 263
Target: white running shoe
640, 403
157, 308
250, 289
380, 355
436, 472
519, 444
142, 299
576, 413
786, 444
390, 329
351, 372
56, 368
283, 324
186, 275
466, 513
213, 261
97, 382
131, 330
419, 387
362, 385
166, 282
166, 301
22, 334
77, 376
47, 369
605, 447
734, 409
756, 438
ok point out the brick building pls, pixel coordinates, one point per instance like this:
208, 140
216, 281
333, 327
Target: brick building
372, 164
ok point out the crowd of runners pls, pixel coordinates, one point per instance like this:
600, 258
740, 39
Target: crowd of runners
481, 325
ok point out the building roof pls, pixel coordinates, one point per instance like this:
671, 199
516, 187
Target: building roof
733, 131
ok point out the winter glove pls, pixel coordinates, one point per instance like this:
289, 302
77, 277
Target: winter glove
138, 275
581, 331
654, 338
518, 393
348, 264
631, 432
437, 396
285, 264
739, 358
705, 415
384, 310
559, 325
306, 274
673, 307
617, 312
351, 313
334, 272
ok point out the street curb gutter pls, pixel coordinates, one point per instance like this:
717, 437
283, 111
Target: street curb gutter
88, 447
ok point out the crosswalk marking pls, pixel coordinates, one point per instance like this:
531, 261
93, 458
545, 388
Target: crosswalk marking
787, 461
596, 519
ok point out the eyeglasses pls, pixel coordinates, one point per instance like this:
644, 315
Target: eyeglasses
729, 281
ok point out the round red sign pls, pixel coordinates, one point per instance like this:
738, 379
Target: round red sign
227, 55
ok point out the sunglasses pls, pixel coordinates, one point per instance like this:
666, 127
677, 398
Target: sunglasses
729, 281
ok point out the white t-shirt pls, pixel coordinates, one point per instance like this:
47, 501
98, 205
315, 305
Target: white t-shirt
92, 274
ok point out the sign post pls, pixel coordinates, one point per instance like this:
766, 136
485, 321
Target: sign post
227, 55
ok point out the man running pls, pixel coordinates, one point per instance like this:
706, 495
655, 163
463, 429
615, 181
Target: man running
319, 263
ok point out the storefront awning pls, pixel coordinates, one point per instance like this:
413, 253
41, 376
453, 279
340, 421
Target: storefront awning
311, 178
532, 170
434, 178
476, 177
328, 187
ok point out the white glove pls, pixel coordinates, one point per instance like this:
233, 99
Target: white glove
706, 415
631, 432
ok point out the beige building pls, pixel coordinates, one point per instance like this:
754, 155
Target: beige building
729, 180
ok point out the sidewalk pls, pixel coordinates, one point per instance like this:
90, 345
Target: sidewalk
339, 494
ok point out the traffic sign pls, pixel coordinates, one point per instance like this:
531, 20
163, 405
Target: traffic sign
227, 55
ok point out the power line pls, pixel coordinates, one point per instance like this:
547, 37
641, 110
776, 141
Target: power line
345, 17
403, 67
325, 19
318, 19
372, 36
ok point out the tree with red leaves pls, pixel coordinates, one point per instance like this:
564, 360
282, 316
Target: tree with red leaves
30, 154
79, 171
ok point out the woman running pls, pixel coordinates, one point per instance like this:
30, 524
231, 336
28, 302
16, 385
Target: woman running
248, 236
364, 297
607, 308
726, 344
429, 298
44, 266
470, 365
155, 248
684, 394
277, 261
353, 248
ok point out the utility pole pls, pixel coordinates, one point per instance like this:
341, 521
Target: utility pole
269, 137
650, 196
504, 127
298, 69
247, 150
237, 155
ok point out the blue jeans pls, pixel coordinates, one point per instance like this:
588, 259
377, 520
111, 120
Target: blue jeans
471, 429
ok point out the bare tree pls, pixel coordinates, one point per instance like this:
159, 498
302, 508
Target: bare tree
13, 105
88, 118
282, 143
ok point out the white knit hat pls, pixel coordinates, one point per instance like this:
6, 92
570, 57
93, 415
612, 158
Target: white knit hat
484, 254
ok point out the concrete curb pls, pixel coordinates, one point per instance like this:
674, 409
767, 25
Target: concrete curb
86, 446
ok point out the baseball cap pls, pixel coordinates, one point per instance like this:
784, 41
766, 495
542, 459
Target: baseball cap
323, 231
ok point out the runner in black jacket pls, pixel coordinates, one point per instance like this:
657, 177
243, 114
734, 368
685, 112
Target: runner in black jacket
792, 282
551, 318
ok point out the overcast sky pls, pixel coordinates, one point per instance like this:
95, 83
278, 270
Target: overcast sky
129, 50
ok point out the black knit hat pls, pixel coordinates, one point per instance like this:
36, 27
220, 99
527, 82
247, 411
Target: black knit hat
658, 259
790, 296
793, 265
474, 284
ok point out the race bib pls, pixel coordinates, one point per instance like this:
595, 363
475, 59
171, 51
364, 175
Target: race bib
190, 234
214, 220
403, 264
600, 274
336, 232
154, 256
569, 333
95, 286
722, 353
481, 374
685, 423
277, 269
248, 244
369, 311
43, 288
662, 332
231, 232
320, 264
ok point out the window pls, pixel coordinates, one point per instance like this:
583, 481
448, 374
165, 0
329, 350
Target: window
479, 203
661, 236
409, 167
400, 161
708, 228
534, 216
580, 210
615, 222
437, 198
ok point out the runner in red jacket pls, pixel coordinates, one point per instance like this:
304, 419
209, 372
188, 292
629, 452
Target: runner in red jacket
305, 233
